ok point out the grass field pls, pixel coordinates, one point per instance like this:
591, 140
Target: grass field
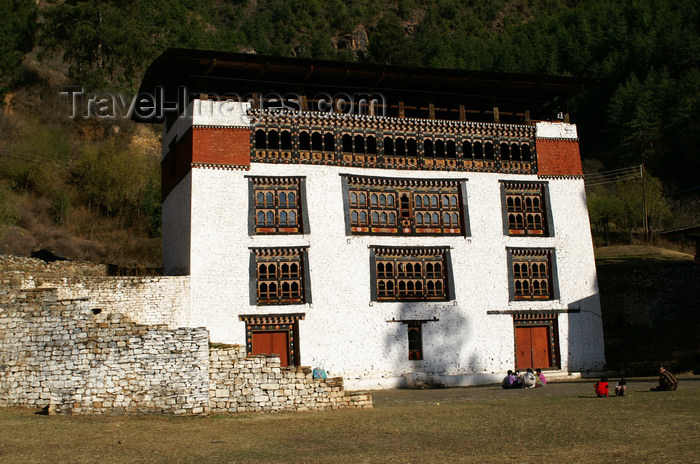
560, 423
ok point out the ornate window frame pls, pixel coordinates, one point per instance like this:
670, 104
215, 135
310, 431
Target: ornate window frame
518, 198
398, 206
274, 191
527, 286
428, 283
284, 281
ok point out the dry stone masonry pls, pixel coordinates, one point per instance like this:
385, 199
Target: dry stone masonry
73, 356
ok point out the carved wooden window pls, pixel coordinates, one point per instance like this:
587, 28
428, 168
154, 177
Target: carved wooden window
279, 276
531, 273
410, 274
405, 207
277, 205
526, 208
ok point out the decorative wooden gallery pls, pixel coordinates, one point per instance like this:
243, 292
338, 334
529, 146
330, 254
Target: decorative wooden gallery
405, 206
279, 275
277, 205
410, 274
526, 208
531, 273
392, 143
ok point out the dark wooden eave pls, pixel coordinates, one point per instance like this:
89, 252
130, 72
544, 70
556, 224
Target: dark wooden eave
220, 73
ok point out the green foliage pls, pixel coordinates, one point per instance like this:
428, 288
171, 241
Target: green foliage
8, 205
60, 206
36, 158
17, 34
112, 176
151, 205
619, 207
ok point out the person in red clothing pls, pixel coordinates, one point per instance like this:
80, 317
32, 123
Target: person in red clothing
601, 387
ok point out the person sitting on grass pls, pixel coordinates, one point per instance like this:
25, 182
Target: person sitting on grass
529, 379
540, 381
621, 387
667, 381
511, 381
601, 387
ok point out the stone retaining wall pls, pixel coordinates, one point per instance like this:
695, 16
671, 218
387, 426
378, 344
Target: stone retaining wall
151, 300
65, 355
258, 383
56, 353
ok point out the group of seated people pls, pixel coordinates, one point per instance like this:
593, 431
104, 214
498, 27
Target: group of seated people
529, 379
667, 382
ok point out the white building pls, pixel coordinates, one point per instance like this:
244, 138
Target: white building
438, 230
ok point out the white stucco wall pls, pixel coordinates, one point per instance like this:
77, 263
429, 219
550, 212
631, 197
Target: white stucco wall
176, 218
348, 334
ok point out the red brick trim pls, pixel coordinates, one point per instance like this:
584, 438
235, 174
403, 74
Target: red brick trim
558, 157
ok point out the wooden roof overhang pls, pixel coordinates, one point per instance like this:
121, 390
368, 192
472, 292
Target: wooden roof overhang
215, 73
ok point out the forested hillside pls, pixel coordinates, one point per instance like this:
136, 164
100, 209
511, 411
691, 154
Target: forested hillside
58, 172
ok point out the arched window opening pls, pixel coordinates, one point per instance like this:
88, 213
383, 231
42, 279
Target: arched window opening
440, 149
478, 150
260, 139
374, 199
347, 143
286, 140
428, 148
451, 149
282, 200
525, 152
400, 147
371, 145
359, 144
515, 152
388, 146
488, 151
411, 147
304, 141
273, 140
328, 142
467, 149
505, 152
316, 141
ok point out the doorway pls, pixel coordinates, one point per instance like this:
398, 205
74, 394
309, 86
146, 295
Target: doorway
272, 342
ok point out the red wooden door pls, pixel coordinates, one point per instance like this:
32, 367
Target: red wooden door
523, 347
272, 343
539, 336
532, 348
